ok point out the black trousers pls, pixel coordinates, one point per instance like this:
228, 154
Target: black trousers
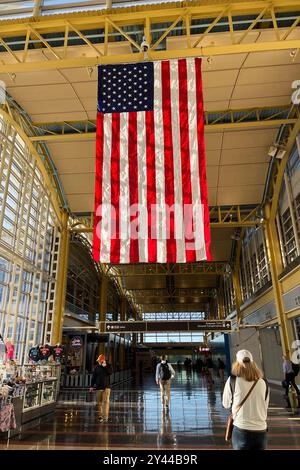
290, 378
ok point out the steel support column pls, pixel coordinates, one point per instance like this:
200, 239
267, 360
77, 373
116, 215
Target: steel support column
236, 279
276, 268
60, 296
37, 8
237, 293
103, 308
123, 316
221, 309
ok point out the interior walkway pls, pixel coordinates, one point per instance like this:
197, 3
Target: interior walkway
196, 420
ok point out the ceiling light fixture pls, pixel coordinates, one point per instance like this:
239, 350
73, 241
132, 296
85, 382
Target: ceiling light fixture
277, 151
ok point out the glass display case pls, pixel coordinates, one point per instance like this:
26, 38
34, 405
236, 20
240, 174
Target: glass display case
33, 390
49, 391
41, 386
32, 396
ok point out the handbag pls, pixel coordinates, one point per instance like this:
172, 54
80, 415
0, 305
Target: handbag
229, 428
229, 425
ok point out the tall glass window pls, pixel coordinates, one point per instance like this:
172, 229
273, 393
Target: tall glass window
288, 216
29, 244
174, 337
255, 271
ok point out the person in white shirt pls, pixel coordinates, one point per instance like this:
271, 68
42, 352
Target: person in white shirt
164, 374
250, 421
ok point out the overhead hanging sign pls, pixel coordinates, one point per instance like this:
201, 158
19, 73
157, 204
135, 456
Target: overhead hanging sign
164, 326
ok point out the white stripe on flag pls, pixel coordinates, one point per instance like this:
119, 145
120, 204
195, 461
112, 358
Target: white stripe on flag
180, 242
160, 166
124, 191
142, 187
106, 191
193, 142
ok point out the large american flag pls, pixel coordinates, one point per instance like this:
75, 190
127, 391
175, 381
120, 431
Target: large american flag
151, 192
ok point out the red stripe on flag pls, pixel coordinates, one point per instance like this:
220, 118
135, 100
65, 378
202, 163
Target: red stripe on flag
133, 181
187, 199
115, 189
168, 161
151, 184
202, 159
98, 184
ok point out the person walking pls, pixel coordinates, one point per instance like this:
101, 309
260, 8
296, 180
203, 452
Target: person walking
221, 369
246, 384
101, 383
289, 375
210, 369
163, 376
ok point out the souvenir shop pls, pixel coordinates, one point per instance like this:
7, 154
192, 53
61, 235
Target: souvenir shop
27, 392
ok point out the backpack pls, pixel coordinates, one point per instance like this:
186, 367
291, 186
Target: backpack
295, 368
165, 373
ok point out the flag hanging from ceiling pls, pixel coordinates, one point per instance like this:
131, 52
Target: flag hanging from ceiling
151, 192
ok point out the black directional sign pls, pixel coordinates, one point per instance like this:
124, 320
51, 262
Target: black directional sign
158, 326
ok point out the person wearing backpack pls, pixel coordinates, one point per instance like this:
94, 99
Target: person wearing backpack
163, 376
246, 392
290, 372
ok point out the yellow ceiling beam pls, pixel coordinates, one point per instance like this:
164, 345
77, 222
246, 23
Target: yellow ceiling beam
230, 216
147, 18
64, 137
208, 128
72, 131
203, 51
137, 14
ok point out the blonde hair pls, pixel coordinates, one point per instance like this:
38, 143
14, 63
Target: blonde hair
247, 370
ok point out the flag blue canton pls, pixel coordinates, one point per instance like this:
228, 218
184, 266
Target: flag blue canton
125, 88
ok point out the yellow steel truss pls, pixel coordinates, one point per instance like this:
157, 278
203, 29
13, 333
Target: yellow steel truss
180, 307
193, 21
168, 269
229, 216
214, 121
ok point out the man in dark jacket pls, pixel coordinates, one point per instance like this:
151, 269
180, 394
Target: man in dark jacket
101, 383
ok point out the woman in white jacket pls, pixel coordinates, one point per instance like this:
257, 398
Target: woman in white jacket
250, 421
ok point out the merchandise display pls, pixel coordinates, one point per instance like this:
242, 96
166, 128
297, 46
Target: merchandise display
2, 349
58, 352
41, 384
36, 385
43, 353
28, 392
9, 354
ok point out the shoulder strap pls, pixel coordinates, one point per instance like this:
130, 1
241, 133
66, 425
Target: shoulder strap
267, 388
246, 397
232, 386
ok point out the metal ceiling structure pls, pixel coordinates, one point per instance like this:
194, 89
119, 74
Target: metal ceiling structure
214, 121
48, 57
193, 21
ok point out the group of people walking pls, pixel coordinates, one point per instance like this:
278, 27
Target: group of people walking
246, 393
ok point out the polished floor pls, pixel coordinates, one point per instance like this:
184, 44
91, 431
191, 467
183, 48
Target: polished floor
196, 419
